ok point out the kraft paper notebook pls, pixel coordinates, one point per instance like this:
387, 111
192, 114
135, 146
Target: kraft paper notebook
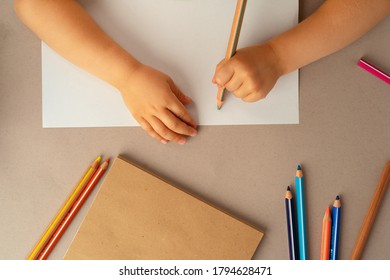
137, 215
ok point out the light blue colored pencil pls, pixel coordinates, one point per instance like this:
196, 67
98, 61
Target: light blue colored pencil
335, 235
301, 214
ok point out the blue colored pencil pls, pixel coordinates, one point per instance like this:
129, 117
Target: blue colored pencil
335, 236
291, 226
301, 214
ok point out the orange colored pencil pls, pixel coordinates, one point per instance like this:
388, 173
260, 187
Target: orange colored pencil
64, 210
233, 42
73, 211
326, 232
371, 213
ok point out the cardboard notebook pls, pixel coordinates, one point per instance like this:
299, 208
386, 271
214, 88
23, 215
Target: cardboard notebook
137, 215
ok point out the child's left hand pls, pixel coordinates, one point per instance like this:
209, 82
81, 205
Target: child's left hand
250, 74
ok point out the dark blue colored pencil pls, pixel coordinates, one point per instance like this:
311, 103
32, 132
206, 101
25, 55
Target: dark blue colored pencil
291, 226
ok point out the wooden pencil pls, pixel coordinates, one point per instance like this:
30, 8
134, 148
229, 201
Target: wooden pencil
301, 214
233, 42
326, 232
371, 213
291, 226
64, 210
374, 71
335, 235
73, 211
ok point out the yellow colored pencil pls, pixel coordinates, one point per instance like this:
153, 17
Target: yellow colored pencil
64, 210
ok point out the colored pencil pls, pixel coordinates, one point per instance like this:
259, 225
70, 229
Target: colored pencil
371, 213
64, 210
326, 233
73, 211
335, 235
301, 214
233, 42
374, 70
291, 226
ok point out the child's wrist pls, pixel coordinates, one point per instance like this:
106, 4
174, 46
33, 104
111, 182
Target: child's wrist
281, 66
124, 72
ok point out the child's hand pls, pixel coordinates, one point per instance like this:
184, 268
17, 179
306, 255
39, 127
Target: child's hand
158, 105
250, 74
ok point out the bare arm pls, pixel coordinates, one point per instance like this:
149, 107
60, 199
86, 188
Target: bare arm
252, 72
333, 26
151, 96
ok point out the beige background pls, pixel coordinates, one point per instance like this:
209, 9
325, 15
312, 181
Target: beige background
342, 142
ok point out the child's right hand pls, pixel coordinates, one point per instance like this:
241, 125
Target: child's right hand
250, 74
158, 105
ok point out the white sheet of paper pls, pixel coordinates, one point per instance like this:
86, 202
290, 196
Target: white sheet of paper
182, 38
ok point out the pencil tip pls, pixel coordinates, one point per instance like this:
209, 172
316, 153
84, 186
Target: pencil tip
219, 103
299, 167
288, 188
337, 197
99, 158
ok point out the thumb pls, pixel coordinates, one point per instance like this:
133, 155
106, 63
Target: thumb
223, 73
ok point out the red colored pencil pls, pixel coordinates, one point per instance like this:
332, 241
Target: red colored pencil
73, 211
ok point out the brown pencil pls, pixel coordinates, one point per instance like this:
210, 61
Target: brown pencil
371, 213
233, 41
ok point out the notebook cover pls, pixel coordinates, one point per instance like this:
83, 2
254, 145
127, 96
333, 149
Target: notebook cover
137, 215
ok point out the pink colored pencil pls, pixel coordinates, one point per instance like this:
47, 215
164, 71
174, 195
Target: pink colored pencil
374, 71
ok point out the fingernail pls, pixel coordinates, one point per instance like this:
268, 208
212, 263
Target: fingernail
164, 141
182, 141
193, 133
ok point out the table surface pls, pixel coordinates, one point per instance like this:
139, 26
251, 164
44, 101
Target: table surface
342, 143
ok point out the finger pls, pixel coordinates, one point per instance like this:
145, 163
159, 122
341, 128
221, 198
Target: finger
180, 95
253, 97
149, 129
180, 111
234, 84
165, 132
176, 124
219, 65
242, 91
